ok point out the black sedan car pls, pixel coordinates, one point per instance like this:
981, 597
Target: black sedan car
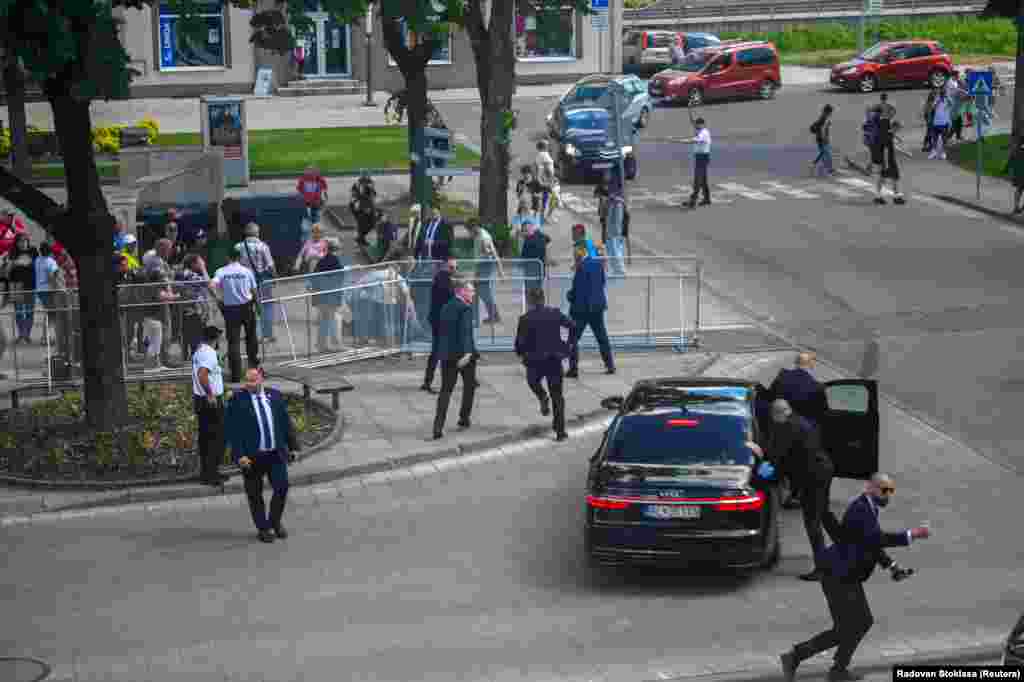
675, 479
584, 142
1013, 651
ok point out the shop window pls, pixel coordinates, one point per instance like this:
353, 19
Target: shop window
180, 51
545, 33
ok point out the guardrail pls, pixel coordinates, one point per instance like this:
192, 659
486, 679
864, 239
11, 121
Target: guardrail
687, 13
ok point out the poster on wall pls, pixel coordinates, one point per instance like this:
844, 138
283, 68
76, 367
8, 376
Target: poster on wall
167, 40
225, 121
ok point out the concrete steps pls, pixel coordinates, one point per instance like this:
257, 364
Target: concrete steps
322, 86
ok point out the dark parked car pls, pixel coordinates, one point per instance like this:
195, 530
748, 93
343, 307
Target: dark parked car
585, 143
675, 481
1013, 652
905, 62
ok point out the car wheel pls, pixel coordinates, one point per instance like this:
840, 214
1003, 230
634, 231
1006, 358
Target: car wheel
695, 98
645, 118
868, 83
564, 169
766, 90
937, 78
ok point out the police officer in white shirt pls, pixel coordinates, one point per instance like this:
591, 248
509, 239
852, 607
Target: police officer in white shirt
238, 286
255, 255
208, 401
701, 156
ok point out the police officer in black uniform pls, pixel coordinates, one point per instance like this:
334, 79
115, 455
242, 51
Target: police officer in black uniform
539, 343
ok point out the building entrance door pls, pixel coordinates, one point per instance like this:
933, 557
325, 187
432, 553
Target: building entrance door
328, 47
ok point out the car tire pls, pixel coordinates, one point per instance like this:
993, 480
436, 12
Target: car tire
695, 97
644, 119
775, 553
564, 169
867, 83
766, 90
937, 78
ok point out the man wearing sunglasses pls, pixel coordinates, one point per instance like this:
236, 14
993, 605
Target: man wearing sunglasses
846, 565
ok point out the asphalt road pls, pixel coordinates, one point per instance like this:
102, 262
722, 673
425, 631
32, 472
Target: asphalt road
921, 296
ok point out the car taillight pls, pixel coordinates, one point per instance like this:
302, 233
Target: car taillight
747, 503
606, 503
644, 44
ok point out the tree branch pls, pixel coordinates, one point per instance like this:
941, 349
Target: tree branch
33, 203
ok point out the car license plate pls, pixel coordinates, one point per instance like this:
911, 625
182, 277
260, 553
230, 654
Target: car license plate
673, 511
600, 166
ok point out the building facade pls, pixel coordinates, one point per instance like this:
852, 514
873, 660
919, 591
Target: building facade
551, 46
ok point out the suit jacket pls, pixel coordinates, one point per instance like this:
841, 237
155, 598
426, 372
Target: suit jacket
242, 426
442, 241
805, 394
796, 448
587, 294
863, 543
536, 247
441, 292
539, 335
456, 331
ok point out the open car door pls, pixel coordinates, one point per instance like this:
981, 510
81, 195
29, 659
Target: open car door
850, 427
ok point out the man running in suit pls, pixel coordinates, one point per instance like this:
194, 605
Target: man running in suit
539, 343
588, 301
441, 292
847, 565
457, 351
259, 433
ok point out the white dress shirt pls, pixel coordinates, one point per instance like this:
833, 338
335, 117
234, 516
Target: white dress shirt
702, 142
261, 402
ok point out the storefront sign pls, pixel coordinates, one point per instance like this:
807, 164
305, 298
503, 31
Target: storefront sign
167, 40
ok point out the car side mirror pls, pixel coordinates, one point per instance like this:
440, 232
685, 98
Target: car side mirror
614, 402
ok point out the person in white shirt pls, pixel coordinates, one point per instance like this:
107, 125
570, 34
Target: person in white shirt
547, 177
208, 402
238, 287
255, 255
941, 121
701, 157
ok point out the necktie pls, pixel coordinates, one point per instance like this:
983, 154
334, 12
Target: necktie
430, 240
265, 421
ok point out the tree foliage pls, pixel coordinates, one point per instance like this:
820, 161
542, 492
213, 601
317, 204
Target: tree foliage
1001, 8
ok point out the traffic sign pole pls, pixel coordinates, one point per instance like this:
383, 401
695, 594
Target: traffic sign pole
980, 86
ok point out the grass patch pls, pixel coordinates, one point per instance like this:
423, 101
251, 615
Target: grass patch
54, 171
959, 35
334, 150
995, 152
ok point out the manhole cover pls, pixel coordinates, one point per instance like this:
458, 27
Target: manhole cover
23, 670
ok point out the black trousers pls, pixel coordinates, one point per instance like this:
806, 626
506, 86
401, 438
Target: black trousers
210, 436
273, 465
450, 372
549, 370
700, 177
434, 359
235, 318
595, 320
814, 498
851, 620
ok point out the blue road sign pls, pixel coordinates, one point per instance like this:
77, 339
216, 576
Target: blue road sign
598, 5
979, 82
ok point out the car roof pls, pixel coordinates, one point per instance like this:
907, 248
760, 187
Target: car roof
665, 390
908, 41
682, 382
727, 46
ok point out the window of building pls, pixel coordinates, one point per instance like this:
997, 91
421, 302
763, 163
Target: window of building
442, 53
545, 33
180, 51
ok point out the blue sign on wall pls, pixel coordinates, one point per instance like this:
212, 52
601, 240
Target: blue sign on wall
598, 4
167, 42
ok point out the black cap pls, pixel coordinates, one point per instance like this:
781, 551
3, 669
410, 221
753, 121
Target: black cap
211, 332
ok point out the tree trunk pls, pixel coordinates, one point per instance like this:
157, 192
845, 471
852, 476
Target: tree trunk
1017, 129
416, 111
14, 86
413, 65
87, 233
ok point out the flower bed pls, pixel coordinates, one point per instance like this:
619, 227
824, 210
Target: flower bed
48, 441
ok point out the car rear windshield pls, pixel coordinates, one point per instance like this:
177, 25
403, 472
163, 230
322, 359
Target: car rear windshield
710, 434
587, 120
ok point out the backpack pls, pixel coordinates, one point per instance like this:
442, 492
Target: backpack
816, 127
872, 129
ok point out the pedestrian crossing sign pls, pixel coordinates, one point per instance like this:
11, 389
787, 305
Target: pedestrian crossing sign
979, 82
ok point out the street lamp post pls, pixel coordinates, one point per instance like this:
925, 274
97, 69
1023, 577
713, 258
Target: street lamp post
369, 57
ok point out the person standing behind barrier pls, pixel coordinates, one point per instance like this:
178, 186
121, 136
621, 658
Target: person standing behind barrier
701, 158
238, 286
485, 253
616, 217
208, 403
431, 245
941, 121
19, 272
312, 250
441, 292
588, 301
540, 346
549, 181
458, 356
157, 294
196, 313
329, 300
66, 301
535, 256
256, 255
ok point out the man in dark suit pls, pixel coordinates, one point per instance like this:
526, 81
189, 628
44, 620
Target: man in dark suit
434, 239
800, 389
457, 351
539, 343
260, 435
848, 564
588, 301
796, 449
441, 292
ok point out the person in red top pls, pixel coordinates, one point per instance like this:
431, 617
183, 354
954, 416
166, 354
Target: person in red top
11, 225
313, 188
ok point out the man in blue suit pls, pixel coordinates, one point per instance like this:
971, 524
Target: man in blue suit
260, 435
798, 387
457, 351
540, 346
847, 565
588, 301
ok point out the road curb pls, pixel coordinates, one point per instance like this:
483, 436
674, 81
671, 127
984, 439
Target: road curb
1005, 216
876, 663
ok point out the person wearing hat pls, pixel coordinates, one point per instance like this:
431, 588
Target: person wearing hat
208, 401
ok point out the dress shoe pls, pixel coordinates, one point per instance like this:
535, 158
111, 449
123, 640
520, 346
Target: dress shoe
706, 202
438, 435
609, 370
572, 374
789, 664
843, 675
427, 388
561, 436
265, 535
280, 531
813, 576
545, 406
464, 424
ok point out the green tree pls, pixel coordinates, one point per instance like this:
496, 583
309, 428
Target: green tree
1013, 9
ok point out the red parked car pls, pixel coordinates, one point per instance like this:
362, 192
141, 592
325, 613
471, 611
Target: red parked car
902, 62
729, 70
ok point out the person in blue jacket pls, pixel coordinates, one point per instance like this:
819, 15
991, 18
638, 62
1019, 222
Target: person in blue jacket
260, 435
588, 301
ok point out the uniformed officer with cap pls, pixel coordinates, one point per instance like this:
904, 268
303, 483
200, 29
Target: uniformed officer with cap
208, 401
237, 284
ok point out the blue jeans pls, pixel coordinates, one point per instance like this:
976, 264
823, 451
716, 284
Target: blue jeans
485, 289
595, 320
824, 157
616, 255
314, 214
24, 316
327, 329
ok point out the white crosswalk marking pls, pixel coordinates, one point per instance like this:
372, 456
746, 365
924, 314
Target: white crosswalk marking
866, 185
839, 191
790, 191
744, 191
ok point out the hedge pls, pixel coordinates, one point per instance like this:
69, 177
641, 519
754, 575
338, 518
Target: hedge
105, 139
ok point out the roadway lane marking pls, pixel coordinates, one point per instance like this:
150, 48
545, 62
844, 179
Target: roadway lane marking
686, 190
840, 191
744, 191
931, 201
790, 191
